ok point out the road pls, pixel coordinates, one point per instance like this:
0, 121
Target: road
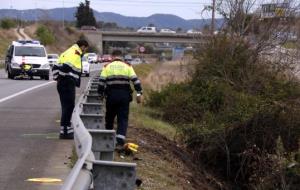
29, 144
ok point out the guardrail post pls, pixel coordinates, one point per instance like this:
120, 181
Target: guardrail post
93, 98
93, 92
94, 87
92, 108
93, 121
103, 144
114, 175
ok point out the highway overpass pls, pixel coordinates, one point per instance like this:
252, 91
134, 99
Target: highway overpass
98, 37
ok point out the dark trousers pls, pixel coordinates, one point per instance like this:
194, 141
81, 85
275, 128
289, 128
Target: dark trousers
66, 90
117, 104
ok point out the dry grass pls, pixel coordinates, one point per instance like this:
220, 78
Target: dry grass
63, 38
6, 37
168, 72
157, 166
159, 163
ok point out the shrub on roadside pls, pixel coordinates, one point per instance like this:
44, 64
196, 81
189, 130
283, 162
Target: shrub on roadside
232, 113
45, 35
8, 23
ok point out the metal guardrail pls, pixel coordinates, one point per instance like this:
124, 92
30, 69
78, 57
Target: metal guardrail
83, 144
95, 168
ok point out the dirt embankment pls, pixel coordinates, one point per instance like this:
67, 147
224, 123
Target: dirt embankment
6, 37
163, 163
64, 37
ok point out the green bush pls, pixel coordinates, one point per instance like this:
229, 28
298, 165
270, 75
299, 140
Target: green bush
232, 113
45, 35
8, 23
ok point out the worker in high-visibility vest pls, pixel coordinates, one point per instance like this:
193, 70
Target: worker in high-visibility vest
67, 73
114, 84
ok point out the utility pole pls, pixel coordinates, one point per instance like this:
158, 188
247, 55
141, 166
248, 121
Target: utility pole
63, 23
36, 12
213, 17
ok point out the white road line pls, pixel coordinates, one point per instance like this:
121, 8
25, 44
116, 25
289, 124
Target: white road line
25, 91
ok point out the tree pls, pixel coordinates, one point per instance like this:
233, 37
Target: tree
85, 15
7, 23
45, 35
179, 29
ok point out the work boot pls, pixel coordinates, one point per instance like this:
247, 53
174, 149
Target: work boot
66, 136
120, 141
66, 132
119, 144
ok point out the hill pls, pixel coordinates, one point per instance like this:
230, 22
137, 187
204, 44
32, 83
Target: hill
159, 20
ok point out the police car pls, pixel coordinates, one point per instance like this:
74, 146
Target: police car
27, 58
85, 65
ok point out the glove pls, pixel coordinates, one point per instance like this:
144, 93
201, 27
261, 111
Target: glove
139, 98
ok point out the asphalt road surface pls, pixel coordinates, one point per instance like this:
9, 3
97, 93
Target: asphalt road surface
29, 128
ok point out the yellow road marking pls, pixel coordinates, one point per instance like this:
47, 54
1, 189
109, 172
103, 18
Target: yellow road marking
44, 180
41, 135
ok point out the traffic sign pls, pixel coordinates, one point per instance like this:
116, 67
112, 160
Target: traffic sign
142, 49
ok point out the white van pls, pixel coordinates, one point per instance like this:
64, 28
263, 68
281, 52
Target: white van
27, 57
147, 29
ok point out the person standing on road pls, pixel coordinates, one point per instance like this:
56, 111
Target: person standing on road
114, 84
67, 74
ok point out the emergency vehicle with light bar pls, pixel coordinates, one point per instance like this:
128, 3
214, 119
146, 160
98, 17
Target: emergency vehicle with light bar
27, 57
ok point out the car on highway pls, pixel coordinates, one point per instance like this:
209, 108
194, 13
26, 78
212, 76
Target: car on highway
92, 57
52, 59
27, 58
85, 66
147, 29
128, 58
88, 27
167, 31
106, 58
136, 61
193, 31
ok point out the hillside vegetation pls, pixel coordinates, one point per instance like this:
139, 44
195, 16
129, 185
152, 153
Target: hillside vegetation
238, 116
55, 38
60, 38
6, 37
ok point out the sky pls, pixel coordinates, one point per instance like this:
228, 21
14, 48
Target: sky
187, 9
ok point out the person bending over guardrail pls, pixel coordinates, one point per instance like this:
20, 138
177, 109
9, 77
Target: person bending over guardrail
114, 84
67, 74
